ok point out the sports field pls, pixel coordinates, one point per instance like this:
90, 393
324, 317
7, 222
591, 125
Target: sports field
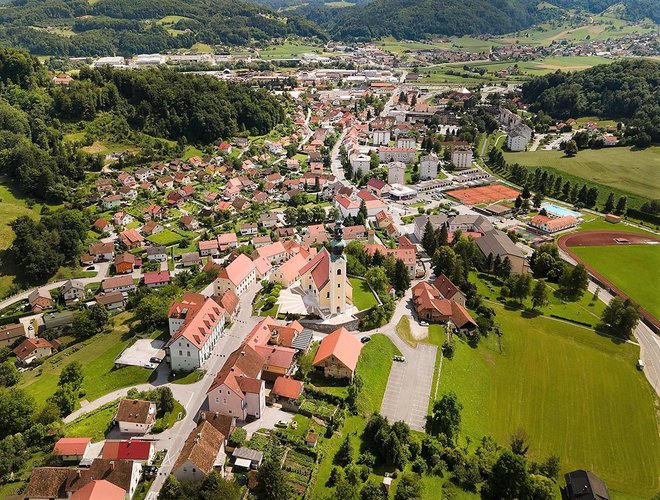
621, 168
575, 393
483, 194
635, 269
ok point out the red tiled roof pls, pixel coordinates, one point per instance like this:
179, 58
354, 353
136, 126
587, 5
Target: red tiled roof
133, 449
319, 267
287, 387
156, 277
342, 345
71, 446
99, 489
238, 270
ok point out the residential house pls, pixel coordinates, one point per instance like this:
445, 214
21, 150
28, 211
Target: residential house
338, 354
190, 259
289, 272
518, 137
111, 201
154, 212
130, 239
584, 485
247, 458
202, 453
118, 284
190, 223
138, 450
125, 263
72, 291
151, 227
156, 279
72, 449
428, 167
237, 276
208, 248
432, 307
249, 228
396, 174
11, 333
135, 416
40, 300
157, 253
260, 241
35, 348
230, 303
448, 290
53, 320
101, 225
378, 187
286, 388
275, 253
268, 220
102, 251
111, 301
227, 241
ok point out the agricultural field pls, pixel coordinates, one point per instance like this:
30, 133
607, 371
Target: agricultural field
288, 50
553, 380
621, 168
97, 356
635, 269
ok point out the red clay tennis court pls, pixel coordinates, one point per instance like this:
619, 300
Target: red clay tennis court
484, 194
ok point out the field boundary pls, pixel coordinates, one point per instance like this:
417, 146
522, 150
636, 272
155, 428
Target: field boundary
606, 238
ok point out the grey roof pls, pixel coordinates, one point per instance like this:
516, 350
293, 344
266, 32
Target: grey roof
585, 485
72, 284
479, 222
248, 454
303, 340
156, 250
497, 243
436, 220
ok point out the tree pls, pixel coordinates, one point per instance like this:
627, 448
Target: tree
444, 261
16, 410
505, 268
518, 202
540, 295
622, 316
401, 279
72, 374
571, 148
518, 442
540, 488
372, 491
347, 490
409, 488
446, 416
65, 398
428, 239
13, 450
520, 286
9, 374
82, 326
377, 278
442, 236
621, 205
508, 478
99, 316
526, 193
573, 283
344, 455
272, 483
171, 489
538, 199
550, 467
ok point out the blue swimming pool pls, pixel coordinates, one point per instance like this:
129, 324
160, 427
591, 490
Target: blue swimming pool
559, 211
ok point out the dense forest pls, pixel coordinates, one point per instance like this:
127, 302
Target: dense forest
160, 103
627, 90
124, 27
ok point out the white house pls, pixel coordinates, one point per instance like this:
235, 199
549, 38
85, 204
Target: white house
361, 163
381, 137
428, 167
135, 416
462, 158
518, 137
237, 276
197, 329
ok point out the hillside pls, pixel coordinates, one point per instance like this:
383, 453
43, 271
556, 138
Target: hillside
124, 27
627, 90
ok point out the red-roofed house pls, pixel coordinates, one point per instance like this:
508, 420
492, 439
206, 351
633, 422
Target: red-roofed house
338, 354
99, 489
31, 349
553, 225
155, 279
237, 276
448, 290
129, 449
72, 449
196, 331
286, 388
432, 307
289, 272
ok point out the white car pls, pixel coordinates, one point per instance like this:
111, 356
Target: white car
423, 323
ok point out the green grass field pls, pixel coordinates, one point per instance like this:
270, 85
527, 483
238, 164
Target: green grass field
631, 171
166, 237
635, 269
577, 394
288, 50
97, 356
93, 424
363, 298
593, 223
374, 369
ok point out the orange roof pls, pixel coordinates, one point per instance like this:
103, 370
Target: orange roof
319, 267
287, 387
71, 446
276, 356
238, 270
133, 449
99, 489
342, 345
198, 327
291, 268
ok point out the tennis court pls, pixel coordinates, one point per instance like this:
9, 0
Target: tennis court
484, 194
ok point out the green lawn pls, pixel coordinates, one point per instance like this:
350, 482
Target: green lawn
621, 168
97, 356
288, 50
166, 237
186, 378
93, 424
363, 297
374, 369
635, 269
576, 394
594, 223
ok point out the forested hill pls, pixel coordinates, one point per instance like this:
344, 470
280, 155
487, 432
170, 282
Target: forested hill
415, 19
128, 27
627, 90
34, 115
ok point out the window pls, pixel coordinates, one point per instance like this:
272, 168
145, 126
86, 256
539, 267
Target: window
328, 296
224, 401
180, 353
338, 285
338, 272
188, 353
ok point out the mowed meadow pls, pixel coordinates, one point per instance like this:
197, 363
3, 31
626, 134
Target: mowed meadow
575, 393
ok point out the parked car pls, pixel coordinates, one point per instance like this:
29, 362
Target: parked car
149, 366
282, 423
400, 359
90, 268
364, 340
156, 360
423, 323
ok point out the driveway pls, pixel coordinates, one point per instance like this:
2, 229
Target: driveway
409, 388
270, 417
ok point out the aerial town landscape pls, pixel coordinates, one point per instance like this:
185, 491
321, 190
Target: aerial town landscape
357, 250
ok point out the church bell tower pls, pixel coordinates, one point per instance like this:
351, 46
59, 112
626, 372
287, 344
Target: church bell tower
338, 278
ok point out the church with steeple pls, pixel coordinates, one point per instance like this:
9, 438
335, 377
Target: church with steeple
324, 280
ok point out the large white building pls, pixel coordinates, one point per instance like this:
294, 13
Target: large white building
381, 137
387, 154
518, 137
196, 324
238, 276
396, 173
428, 167
361, 164
462, 158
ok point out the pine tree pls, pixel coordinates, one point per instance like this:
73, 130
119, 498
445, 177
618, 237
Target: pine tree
526, 194
443, 236
497, 265
609, 204
505, 268
566, 190
621, 205
428, 239
401, 281
539, 295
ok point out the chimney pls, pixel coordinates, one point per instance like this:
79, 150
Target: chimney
216, 414
112, 465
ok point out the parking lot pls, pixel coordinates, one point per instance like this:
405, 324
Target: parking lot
140, 353
409, 388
